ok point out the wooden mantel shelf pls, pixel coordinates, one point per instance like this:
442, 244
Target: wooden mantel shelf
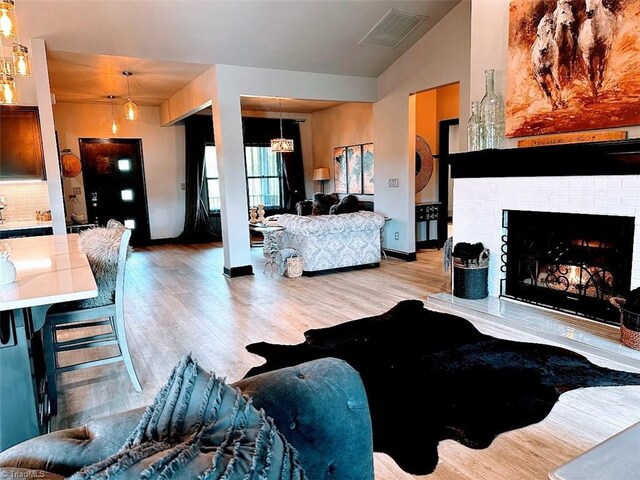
596, 158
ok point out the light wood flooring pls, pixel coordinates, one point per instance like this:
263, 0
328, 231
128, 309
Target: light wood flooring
178, 301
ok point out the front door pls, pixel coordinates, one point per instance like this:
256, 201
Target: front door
114, 184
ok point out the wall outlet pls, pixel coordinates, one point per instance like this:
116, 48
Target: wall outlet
397, 236
77, 191
183, 186
394, 182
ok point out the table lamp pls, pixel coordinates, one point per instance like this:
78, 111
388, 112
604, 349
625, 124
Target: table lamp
321, 175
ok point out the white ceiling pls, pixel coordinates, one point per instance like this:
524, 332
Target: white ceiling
166, 44
304, 35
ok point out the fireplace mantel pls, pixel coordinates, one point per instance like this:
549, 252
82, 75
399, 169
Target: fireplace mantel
578, 159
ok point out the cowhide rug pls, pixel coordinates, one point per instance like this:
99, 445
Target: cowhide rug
477, 386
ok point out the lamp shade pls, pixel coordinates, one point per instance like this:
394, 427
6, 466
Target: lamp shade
320, 174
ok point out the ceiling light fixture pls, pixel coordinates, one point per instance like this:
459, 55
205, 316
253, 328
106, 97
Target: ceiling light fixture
130, 108
19, 64
282, 145
114, 124
8, 27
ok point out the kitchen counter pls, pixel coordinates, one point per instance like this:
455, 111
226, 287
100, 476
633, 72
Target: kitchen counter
23, 224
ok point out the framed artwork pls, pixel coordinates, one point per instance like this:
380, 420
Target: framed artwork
572, 66
354, 169
367, 168
340, 169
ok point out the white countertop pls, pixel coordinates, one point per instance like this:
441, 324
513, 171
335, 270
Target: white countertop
23, 224
50, 269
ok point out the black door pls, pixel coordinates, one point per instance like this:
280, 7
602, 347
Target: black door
114, 184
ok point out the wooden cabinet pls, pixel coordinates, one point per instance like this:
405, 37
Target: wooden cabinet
21, 154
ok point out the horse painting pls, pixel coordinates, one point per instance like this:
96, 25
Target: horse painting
569, 57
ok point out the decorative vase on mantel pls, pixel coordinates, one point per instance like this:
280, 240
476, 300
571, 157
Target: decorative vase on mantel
492, 114
7, 269
474, 129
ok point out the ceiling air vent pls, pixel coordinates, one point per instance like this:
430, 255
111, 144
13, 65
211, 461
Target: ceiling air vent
392, 29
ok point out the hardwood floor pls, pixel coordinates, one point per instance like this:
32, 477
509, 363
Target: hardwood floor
178, 301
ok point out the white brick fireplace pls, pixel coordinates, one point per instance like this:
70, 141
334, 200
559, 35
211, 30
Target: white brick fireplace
478, 204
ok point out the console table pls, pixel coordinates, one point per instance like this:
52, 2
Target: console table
50, 269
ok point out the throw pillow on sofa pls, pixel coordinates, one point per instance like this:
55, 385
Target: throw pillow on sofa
200, 427
322, 203
348, 204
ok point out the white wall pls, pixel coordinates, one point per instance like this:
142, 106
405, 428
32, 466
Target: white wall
489, 48
440, 57
162, 149
347, 124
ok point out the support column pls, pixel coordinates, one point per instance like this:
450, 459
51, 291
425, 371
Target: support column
234, 216
48, 130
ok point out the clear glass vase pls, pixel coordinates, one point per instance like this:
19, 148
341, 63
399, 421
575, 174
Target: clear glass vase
492, 114
474, 129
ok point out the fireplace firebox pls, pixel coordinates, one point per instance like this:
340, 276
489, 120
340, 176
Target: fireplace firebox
569, 262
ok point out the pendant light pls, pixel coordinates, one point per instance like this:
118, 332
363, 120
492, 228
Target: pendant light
130, 108
282, 145
7, 89
18, 65
21, 63
8, 27
114, 124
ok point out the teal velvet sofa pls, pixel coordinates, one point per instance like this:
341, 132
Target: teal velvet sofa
320, 407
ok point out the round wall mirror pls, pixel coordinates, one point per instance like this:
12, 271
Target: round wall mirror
424, 163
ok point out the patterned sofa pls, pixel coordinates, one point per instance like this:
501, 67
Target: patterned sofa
333, 241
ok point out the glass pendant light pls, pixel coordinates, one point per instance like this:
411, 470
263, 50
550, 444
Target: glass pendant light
282, 145
7, 89
130, 108
21, 63
8, 28
114, 124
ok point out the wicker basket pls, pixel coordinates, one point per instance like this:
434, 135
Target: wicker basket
629, 324
294, 267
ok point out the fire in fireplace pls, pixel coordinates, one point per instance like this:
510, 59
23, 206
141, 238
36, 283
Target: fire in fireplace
569, 262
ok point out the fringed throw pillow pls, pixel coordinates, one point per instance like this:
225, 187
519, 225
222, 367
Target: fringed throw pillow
199, 427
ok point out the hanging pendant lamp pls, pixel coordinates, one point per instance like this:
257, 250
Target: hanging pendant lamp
21, 62
282, 145
130, 108
7, 89
114, 124
8, 27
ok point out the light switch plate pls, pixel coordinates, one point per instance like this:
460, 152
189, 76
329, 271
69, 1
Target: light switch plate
394, 182
77, 190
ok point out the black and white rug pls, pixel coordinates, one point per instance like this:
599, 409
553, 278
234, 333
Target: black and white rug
477, 386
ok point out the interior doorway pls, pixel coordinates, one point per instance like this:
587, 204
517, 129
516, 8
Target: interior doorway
435, 115
114, 184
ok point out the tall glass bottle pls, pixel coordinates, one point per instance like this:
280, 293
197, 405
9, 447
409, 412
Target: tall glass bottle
474, 129
492, 113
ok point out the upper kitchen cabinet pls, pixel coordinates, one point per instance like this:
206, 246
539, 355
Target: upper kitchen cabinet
21, 155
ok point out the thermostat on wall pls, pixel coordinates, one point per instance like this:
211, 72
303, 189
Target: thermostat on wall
394, 182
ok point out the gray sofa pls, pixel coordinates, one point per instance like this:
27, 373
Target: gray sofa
320, 407
333, 241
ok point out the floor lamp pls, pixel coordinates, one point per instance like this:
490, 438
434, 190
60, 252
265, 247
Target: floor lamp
321, 175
